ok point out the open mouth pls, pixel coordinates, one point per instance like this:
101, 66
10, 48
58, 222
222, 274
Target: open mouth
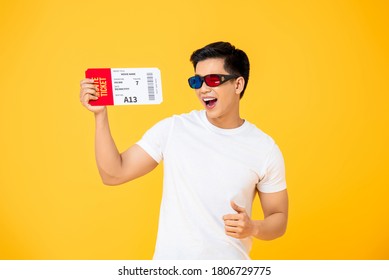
210, 102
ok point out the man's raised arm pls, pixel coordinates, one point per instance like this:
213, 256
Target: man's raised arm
114, 167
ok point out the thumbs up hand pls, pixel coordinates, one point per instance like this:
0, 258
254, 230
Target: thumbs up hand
238, 225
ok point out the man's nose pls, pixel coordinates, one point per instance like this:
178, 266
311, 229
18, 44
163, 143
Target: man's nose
204, 88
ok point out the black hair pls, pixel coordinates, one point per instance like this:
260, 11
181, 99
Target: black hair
235, 60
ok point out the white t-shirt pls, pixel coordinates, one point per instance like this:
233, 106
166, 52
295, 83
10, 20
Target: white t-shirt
205, 167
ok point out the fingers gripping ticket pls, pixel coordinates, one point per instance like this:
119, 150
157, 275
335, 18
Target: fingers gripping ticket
87, 91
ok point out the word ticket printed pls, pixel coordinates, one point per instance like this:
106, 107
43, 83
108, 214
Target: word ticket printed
126, 86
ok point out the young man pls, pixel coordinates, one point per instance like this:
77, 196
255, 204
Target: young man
214, 164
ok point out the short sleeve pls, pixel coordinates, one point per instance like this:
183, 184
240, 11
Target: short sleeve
154, 141
273, 178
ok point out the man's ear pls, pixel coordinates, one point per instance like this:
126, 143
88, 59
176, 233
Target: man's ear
239, 85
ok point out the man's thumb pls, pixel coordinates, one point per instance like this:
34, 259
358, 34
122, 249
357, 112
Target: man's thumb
237, 208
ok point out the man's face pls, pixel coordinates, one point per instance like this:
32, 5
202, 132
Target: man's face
221, 102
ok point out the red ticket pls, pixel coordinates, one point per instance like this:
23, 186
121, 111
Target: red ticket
126, 86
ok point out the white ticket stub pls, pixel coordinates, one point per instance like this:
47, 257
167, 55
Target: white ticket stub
126, 86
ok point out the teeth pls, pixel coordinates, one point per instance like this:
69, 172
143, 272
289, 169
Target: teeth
209, 99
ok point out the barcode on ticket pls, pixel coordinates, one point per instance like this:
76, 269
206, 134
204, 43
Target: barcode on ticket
126, 86
150, 86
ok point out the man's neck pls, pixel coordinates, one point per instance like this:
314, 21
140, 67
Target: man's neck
227, 122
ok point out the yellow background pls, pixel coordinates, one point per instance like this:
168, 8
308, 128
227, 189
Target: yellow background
318, 85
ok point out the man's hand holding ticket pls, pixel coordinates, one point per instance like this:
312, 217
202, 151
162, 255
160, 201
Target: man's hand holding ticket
126, 86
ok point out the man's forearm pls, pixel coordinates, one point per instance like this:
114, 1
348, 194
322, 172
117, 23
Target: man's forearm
271, 227
107, 155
